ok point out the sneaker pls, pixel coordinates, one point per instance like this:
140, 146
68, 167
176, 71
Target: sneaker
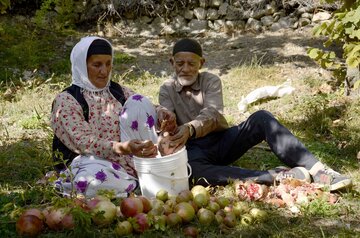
299, 173
332, 179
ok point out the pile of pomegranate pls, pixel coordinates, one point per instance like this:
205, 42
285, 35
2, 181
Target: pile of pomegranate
189, 210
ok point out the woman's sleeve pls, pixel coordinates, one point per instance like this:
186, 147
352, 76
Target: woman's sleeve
69, 125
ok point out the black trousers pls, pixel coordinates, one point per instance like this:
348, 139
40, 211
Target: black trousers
210, 156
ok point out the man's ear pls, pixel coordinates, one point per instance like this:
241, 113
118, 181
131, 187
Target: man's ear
202, 62
171, 60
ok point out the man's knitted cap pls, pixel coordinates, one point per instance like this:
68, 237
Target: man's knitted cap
99, 47
187, 45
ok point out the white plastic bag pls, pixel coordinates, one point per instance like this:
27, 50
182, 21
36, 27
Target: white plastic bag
264, 92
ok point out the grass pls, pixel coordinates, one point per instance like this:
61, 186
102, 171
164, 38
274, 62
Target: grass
26, 137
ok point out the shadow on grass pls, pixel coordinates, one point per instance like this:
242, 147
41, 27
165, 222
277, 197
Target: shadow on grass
24, 162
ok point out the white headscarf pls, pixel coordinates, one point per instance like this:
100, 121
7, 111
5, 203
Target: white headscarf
78, 64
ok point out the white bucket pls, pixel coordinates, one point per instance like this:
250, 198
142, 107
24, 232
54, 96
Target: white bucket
168, 172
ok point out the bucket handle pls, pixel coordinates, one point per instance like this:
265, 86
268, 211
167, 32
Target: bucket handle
175, 178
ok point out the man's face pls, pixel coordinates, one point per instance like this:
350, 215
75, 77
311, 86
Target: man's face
99, 68
187, 66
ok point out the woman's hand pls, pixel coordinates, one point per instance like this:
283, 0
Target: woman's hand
144, 149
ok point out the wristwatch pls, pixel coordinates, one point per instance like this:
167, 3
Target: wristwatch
191, 131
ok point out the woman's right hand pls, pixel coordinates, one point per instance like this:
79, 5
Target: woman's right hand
144, 149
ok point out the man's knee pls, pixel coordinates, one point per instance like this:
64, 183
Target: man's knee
262, 115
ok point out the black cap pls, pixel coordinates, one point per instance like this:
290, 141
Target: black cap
99, 47
187, 45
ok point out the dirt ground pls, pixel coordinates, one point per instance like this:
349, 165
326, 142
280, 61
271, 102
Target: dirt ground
285, 48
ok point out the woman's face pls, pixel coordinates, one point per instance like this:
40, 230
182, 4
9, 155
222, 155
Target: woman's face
99, 68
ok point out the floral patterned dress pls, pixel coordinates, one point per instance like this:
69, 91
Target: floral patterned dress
98, 167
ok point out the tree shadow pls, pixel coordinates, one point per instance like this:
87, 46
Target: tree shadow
223, 52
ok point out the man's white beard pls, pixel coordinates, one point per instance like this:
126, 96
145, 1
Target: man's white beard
185, 82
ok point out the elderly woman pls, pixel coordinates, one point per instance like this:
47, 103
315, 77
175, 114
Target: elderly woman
99, 125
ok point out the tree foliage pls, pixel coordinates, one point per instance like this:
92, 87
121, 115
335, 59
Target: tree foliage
4, 4
344, 29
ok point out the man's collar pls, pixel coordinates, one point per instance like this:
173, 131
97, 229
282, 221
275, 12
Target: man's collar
194, 86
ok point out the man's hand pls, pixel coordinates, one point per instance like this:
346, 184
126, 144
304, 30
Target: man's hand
169, 144
144, 149
166, 121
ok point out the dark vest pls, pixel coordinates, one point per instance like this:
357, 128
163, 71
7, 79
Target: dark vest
60, 152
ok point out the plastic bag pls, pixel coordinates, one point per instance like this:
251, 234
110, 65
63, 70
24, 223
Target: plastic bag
264, 92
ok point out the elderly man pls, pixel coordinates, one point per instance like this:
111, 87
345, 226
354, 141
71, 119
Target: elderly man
196, 99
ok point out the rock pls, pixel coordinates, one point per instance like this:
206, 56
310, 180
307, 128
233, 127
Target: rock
267, 20
203, 3
212, 14
197, 26
321, 16
279, 14
146, 19
178, 23
234, 13
223, 9
235, 25
303, 10
304, 21
188, 14
200, 13
307, 15
215, 3
218, 25
253, 24
283, 23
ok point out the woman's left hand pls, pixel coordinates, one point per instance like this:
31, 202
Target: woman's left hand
144, 149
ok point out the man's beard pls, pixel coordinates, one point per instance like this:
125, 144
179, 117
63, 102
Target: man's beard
185, 82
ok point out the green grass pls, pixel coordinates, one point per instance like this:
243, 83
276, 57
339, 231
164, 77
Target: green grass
25, 142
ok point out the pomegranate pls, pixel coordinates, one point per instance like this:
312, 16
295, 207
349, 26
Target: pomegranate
123, 228
167, 209
201, 200
29, 225
173, 219
53, 217
35, 212
141, 223
193, 204
205, 216
257, 213
199, 189
131, 206
68, 222
146, 204
104, 213
184, 196
213, 206
185, 211
223, 201
191, 231
160, 222
171, 202
162, 195
240, 207
230, 219
246, 220
157, 207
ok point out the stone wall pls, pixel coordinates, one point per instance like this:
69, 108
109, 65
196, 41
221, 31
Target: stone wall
169, 17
